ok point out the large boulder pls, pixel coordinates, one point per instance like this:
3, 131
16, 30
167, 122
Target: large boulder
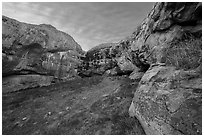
38, 49
169, 101
125, 65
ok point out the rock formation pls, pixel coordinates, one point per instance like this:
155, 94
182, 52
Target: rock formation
165, 52
97, 60
168, 99
111, 59
36, 50
167, 24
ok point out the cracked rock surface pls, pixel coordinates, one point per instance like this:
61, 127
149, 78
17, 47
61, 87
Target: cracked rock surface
33, 51
169, 101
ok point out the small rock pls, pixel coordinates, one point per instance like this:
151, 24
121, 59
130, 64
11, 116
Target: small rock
24, 118
84, 98
48, 114
118, 97
105, 95
17, 123
67, 108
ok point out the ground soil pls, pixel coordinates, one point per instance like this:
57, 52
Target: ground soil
94, 105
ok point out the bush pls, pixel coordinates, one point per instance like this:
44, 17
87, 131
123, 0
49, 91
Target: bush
186, 54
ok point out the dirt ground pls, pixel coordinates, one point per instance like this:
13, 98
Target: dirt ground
96, 105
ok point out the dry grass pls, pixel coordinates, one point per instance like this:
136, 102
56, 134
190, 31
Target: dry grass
185, 54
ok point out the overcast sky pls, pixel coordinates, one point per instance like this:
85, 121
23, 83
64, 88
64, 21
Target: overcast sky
89, 24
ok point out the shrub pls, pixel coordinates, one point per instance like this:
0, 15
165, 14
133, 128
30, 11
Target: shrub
186, 54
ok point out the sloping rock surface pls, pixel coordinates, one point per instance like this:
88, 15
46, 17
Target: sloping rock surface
168, 99
167, 24
38, 49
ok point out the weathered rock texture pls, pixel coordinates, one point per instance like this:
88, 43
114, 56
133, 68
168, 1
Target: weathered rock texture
167, 24
168, 99
38, 49
97, 60
111, 59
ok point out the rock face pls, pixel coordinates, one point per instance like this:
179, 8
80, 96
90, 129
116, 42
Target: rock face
168, 99
97, 60
167, 24
111, 59
38, 49
136, 74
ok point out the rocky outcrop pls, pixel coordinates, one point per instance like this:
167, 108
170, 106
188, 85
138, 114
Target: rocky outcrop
97, 60
111, 59
168, 99
166, 25
125, 64
165, 52
38, 49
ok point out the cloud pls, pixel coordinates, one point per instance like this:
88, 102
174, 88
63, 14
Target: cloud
89, 24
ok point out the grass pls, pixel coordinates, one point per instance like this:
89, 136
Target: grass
186, 54
125, 125
102, 115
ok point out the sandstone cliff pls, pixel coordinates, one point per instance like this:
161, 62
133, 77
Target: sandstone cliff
34, 51
168, 99
111, 59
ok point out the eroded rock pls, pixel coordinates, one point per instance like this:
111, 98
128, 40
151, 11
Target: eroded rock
164, 102
170, 41
113, 59
38, 49
166, 23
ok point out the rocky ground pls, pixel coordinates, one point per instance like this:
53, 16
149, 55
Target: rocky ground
95, 105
